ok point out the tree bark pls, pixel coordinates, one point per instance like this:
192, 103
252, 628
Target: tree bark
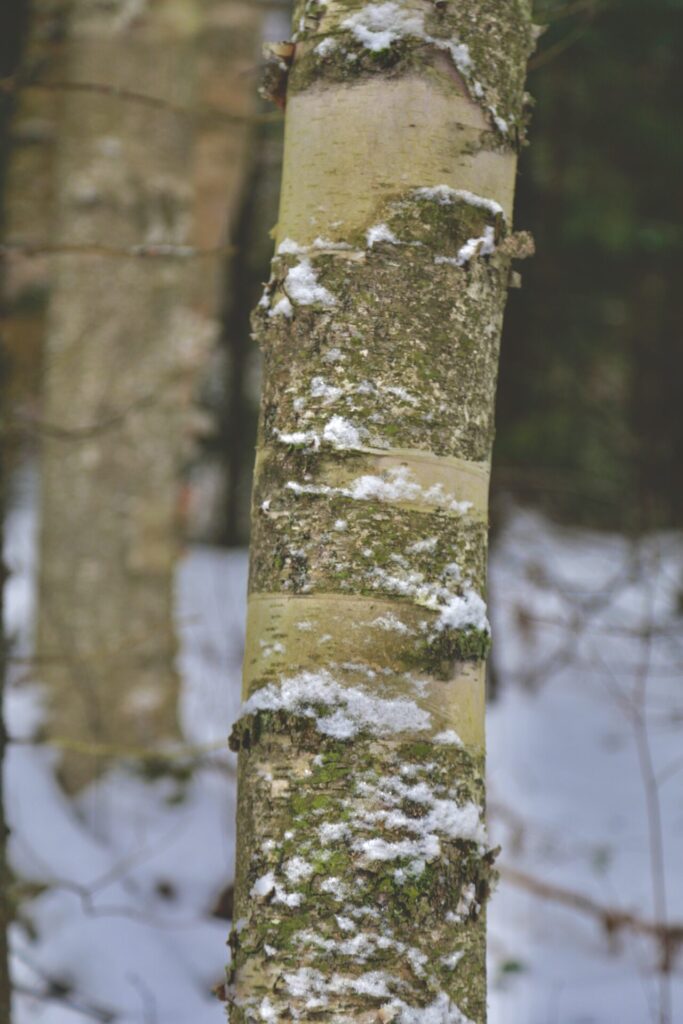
363, 865
151, 154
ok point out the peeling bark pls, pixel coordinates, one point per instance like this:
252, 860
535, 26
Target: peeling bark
363, 866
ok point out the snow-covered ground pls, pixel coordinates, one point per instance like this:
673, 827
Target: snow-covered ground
585, 770
585, 765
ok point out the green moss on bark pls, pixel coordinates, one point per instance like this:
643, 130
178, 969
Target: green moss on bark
324, 907
412, 345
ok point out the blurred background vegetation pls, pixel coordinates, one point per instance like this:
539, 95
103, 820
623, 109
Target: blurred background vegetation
589, 404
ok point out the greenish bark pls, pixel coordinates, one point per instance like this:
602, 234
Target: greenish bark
363, 865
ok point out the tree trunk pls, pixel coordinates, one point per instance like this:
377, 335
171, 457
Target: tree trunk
363, 864
151, 157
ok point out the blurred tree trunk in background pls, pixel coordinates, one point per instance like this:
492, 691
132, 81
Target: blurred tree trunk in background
28, 205
123, 340
362, 866
150, 160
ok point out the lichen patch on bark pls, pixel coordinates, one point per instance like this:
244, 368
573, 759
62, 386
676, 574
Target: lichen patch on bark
353, 848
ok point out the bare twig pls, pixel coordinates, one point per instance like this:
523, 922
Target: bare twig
16, 83
88, 430
54, 993
668, 935
162, 250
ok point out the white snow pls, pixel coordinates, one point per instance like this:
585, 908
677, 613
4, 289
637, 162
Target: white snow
263, 885
565, 795
299, 437
267, 884
283, 307
461, 611
444, 195
289, 247
448, 736
332, 832
390, 623
441, 1011
345, 923
297, 870
422, 835
327, 243
428, 847
341, 434
456, 611
482, 245
335, 887
267, 1011
451, 960
326, 47
328, 392
397, 484
420, 546
350, 709
372, 983
377, 26
380, 233
301, 285
401, 393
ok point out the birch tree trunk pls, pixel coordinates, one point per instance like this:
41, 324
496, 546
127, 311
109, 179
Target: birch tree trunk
363, 863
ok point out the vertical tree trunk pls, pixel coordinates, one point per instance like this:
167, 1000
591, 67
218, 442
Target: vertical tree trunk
363, 865
124, 338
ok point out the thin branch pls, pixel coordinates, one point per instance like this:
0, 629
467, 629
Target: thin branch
149, 1006
668, 935
163, 250
15, 83
54, 994
60, 433
545, 56
98, 749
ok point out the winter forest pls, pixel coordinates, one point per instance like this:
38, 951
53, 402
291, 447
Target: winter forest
341, 512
